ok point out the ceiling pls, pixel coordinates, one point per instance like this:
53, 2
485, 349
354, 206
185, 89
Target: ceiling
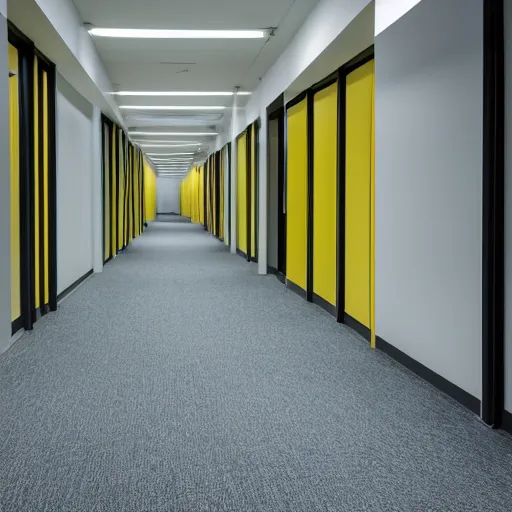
187, 64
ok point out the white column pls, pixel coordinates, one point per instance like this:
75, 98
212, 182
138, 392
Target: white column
234, 115
97, 192
5, 196
262, 195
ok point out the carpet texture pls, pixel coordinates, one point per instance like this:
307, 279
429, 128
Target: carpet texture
180, 380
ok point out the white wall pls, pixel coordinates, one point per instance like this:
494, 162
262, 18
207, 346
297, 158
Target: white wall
508, 206
389, 11
168, 195
74, 185
428, 100
5, 198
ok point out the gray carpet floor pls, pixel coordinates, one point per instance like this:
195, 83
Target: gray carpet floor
180, 380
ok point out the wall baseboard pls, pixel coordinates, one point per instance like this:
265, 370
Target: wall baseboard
325, 305
360, 328
463, 397
75, 285
241, 253
16, 325
295, 288
506, 422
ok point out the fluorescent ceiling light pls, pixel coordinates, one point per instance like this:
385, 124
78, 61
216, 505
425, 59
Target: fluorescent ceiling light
138, 33
175, 134
171, 107
171, 142
170, 154
168, 145
180, 93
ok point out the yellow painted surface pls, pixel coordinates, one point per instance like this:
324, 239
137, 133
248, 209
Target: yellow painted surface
253, 190
149, 192
297, 194
358, 212
45, 189
14, 129
37, 270
324, 193
372, 223
241, 193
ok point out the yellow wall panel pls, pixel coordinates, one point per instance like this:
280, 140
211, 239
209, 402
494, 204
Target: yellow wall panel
149, 192
297, 194
241, 193
14, 129
324, 193
358, 208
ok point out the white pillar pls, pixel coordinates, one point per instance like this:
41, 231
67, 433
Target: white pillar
97, 192
234, 124
262, 194
5, 194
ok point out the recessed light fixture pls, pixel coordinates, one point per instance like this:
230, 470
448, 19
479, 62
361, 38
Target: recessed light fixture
156, 141
142, 33
169, 154
171, 107
180, 93
143, 145
175, 134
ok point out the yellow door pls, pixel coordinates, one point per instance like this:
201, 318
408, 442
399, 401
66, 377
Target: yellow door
14, 129
324, 193
359, 203
297, 194
241, 193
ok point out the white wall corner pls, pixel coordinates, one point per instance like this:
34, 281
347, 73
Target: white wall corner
389, 11
97, 192
3, 8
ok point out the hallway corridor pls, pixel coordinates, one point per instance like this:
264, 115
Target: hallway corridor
180, 380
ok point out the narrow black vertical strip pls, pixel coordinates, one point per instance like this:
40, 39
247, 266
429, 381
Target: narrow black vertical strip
248, 182
493, 275
281, 194
125, 198
310, 134
142, 196
217, 194
26, 94
230, 166
112, 188
257, 126
205, 190
103, 184
118, 187
340, 198
41, 179
110, 180
52, 189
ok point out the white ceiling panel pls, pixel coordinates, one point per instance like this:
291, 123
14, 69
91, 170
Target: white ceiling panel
188, 64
